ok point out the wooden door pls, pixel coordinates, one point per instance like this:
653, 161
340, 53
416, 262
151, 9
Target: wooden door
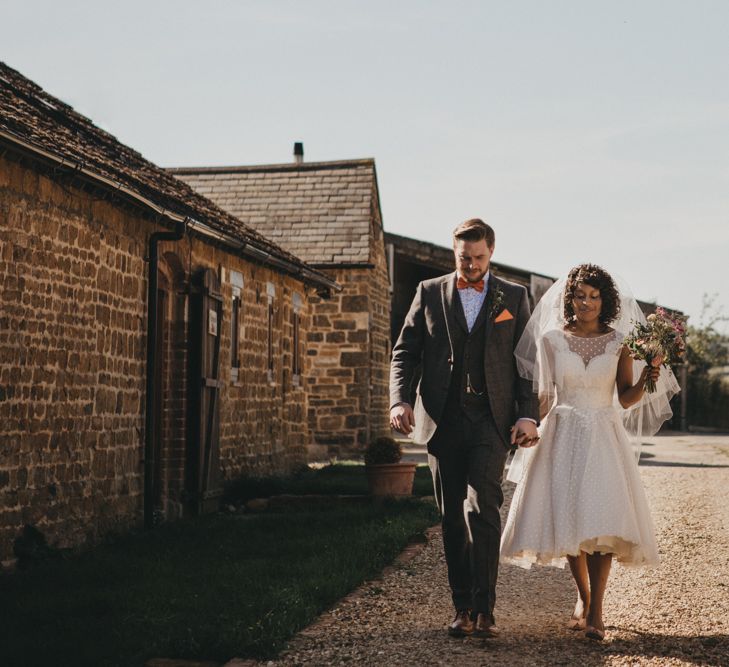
206, 316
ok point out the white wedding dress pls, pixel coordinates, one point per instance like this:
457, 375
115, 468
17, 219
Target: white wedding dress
579, 489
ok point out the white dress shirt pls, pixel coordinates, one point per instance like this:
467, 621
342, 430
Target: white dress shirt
472, 300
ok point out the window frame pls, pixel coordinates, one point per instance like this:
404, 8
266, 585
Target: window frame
297, 304
236, 323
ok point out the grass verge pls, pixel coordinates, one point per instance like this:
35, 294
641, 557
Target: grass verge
214, 587
338, 479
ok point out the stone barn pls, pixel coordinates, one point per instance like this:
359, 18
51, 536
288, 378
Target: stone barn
152, 346
328, 214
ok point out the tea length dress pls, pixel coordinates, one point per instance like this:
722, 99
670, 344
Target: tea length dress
580, 489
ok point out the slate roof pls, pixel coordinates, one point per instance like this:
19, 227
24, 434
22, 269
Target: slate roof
31, 115
321, 211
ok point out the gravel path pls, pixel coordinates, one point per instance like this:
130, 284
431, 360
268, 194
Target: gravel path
677, 614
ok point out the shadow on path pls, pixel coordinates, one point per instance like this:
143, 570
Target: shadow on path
710, 650
561, 647
680, 464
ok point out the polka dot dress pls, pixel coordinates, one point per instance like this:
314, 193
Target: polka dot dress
580, 489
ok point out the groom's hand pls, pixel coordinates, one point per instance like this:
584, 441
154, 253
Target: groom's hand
524, 433
402, 418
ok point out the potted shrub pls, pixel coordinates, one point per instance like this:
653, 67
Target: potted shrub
387, 475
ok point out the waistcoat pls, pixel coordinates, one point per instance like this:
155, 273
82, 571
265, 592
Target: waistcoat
468, 363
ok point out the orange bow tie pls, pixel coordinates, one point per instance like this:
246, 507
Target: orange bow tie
464, 284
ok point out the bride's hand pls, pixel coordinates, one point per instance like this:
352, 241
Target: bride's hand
652, 372
524, 433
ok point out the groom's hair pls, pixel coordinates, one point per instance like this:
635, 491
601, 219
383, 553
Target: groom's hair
474, 229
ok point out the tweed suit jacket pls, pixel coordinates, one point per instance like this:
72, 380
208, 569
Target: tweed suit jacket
426, 342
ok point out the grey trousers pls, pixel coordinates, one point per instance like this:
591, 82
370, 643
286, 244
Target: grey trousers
471, 453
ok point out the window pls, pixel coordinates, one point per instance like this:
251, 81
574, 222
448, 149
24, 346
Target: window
236, 318
296, 347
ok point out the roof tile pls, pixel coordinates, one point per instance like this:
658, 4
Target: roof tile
320, 211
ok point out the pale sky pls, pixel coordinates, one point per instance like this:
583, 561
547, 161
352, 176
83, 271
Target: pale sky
581, 130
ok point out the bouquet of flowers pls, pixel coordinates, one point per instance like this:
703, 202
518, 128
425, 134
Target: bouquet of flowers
660, 341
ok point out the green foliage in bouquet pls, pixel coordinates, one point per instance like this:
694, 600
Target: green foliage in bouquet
660, 341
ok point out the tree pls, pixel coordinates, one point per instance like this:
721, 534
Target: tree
707, 347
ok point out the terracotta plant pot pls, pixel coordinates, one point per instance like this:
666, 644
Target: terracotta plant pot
391, 479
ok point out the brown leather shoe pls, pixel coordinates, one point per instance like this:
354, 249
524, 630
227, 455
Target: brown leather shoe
485, 627
462, 625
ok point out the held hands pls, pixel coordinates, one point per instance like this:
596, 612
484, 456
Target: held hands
524, 433
402, 418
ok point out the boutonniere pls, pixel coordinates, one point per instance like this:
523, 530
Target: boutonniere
497, 301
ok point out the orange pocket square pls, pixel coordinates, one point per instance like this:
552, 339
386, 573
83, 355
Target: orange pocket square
504, 316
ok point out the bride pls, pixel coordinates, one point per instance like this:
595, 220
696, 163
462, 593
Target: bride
579, 493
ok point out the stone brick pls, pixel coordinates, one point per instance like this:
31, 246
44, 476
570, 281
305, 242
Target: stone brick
356, 336
356, 303
349, 359
355, 421
327, 307
339, 372
326, 438
332, 423
327, 390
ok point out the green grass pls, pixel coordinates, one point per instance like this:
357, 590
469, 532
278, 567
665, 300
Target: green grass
215, 587
338, 479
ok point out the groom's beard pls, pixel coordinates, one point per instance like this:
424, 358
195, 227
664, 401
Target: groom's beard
472, 277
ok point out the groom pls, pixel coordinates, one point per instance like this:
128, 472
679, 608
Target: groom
463, 328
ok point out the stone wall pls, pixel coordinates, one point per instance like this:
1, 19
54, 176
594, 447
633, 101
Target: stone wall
73, 357
71, 360
348, 349
338, 365
263, 428
380, 345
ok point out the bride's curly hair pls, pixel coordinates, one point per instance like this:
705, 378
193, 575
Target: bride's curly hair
597, 277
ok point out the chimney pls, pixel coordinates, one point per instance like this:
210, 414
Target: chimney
298, 152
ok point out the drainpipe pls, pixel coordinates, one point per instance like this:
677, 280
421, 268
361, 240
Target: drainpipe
150, 418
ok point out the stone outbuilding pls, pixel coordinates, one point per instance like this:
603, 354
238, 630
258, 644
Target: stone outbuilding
152, 346
328, 214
